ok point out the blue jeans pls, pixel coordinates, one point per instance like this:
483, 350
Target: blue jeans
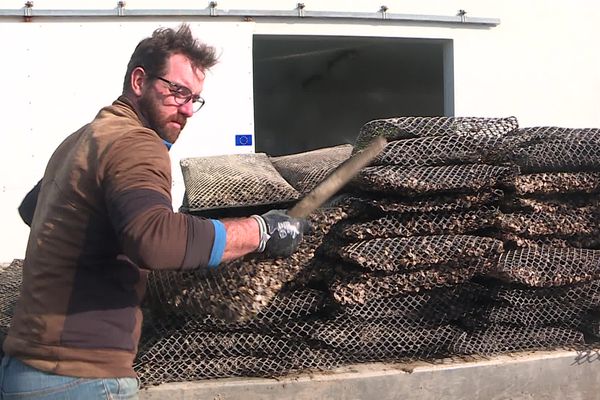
19, 381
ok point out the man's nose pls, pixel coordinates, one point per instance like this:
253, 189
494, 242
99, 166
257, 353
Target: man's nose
187, 109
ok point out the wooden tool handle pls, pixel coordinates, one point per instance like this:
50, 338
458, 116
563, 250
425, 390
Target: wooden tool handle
337, 179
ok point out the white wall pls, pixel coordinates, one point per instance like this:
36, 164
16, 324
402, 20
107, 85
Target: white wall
540, 65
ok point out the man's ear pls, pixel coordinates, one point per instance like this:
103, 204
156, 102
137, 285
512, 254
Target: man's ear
138, 78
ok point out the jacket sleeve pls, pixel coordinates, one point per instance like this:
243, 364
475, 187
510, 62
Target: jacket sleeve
27, 207
136, 181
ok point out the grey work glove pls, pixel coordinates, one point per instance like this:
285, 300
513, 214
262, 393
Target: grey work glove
281, 234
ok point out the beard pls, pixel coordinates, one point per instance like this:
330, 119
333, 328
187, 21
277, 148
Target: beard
150, 108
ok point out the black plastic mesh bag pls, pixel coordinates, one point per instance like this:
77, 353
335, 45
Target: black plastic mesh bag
436, 306
305, 170
512, 241
547, 149
539, 134
355, 287
236, 291
181, 367
558, 157
565, 306
411, 127
502, 339
362, 341
206, 344
580, 296
238, 180
11, 278
404, 254
430, 180
557, 182
545, 266
591, 326
404, 225
287, 304
448, 202
556, 315
558, 224
438, 150
181, 364
556, 203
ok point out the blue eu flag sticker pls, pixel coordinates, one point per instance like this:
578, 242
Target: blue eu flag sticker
243, 140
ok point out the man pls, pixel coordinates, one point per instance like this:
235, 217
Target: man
103, 217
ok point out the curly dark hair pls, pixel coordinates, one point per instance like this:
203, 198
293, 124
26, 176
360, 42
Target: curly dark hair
153, 52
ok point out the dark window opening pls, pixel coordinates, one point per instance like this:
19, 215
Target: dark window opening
317, 91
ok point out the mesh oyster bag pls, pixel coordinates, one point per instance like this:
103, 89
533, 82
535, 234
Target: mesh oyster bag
222, 349
238, 180
411, 127
545, 266
358, 287
377, 204
431, 180
512, 241
591, 326
437, 151
404, 225
288, 304
207, 344
11, 277
436, 306
305, 170
557, 182
563, 316
555, 203
559, 224
234, 292
363, 341
558, 157
177, 357
498, 339
565, 306
539, 134
404, 254
581, 296
238, 290
554, 149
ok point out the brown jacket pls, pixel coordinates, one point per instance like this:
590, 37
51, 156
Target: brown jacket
104, 217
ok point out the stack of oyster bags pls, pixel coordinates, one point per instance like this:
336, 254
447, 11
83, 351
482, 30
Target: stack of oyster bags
547, 291
419, 227
465, 236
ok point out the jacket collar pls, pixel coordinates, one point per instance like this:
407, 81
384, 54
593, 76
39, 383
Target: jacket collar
128, 103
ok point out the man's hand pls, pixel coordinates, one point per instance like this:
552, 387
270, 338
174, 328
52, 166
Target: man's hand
282, 233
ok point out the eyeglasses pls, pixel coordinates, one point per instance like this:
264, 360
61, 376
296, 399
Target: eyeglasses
183, 95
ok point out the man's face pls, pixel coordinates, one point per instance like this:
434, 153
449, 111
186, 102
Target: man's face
158, 103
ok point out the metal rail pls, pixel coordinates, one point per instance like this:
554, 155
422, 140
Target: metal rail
300, 13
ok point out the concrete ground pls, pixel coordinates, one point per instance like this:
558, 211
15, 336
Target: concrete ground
553, 375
